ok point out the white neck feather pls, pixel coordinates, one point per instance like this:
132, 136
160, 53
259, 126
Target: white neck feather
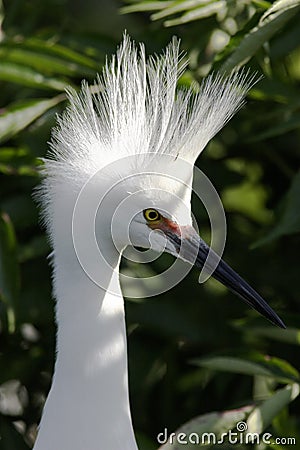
136, 112
88, 405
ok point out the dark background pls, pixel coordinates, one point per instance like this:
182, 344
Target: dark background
195, 349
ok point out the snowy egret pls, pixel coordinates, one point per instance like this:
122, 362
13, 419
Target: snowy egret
120, 172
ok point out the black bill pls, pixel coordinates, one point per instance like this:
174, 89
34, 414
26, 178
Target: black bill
194, 250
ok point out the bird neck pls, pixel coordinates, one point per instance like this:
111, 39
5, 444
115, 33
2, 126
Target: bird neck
88, 404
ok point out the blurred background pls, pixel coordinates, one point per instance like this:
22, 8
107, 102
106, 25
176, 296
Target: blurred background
196, 349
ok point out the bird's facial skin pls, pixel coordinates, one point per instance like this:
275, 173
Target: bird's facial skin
190, 247
157, 221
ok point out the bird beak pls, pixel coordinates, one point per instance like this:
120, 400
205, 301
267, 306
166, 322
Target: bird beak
191, 248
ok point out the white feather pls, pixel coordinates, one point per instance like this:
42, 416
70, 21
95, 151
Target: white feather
133, 110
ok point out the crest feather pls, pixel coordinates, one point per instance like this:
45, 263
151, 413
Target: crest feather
134, 108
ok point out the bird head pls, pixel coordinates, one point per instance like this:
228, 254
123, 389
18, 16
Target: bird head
159, 188
131, 143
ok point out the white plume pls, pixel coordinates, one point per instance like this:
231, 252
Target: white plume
134, 108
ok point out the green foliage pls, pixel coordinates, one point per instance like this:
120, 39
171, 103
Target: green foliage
255, 419
241, 50
20, 115
9, 270
192, 10
197, 356
289, 220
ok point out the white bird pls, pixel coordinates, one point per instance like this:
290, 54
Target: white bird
120, 173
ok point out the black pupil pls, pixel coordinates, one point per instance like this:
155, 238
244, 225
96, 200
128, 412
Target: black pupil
153, 215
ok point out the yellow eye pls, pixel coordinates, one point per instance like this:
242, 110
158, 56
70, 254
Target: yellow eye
151, 215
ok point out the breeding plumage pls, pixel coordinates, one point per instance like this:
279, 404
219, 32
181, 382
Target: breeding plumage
120, 173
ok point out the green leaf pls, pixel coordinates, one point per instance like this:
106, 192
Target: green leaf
176, 7
79, 60
290, 335
197, 13
289, 222
261, 417
17, 73
241, 50
194, 10
145, 6
9, 269
275, 368
20, 115
261, 4
208, 427
48, 58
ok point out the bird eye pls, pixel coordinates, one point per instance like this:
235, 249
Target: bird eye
151, 215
